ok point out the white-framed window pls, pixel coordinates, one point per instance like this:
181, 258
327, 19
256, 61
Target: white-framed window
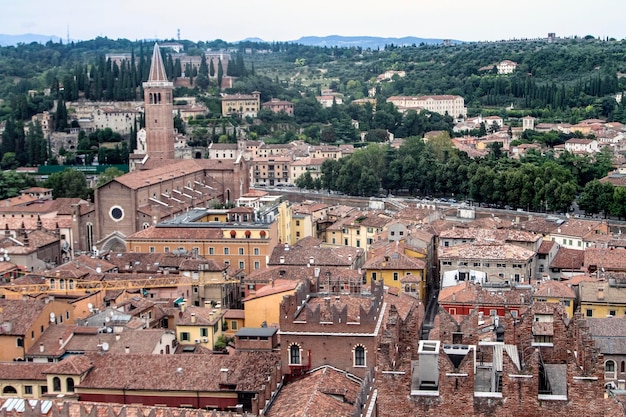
359, 356
295, 356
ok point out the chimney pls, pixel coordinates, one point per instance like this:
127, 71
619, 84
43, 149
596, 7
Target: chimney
127, 350
41, 348
60, 341
224, 375
311, 260
118, 336
183, 306
282, 260
600, 293
193, 318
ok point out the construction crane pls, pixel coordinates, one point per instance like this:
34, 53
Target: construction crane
60, 285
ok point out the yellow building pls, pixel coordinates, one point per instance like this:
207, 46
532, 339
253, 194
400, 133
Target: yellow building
390, 268
23, 321
244, 245
235, 320
23, 380
557, 292
601, 299
200, 326
262, 308
414, 285
241, 104
359, 229
305, 217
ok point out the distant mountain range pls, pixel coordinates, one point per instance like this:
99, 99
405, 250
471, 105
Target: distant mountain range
372, 42
365, 42
7, 40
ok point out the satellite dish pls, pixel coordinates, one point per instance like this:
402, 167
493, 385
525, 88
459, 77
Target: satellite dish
107, 319
90, 307
98, 269
109, 330
105, 346
52, 317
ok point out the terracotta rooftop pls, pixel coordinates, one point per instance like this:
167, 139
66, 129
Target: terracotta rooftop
487, 251
177, 233
302, 255
48, 343
199, 316
23, 370
247, 370
139, 341
576, 227
308, 207
20, 313
171, 170
71, 365
568, 259
480, 234
468, 293
546, 247
610, 259
325, 391
601, 292
539, 225
279, 286
395, 260
556, 289
608, 334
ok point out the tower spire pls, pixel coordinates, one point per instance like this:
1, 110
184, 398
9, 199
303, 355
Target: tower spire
157, 69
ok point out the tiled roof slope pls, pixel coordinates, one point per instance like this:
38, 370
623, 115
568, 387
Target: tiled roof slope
246, 369
323, 392
20, 313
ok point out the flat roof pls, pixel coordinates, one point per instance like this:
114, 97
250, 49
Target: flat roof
256, 331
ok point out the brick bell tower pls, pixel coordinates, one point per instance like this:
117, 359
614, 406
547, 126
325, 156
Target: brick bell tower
158, 110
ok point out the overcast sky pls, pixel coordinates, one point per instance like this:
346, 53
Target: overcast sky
470, 20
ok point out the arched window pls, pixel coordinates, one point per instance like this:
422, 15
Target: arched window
622, 367
69, 383
609, 366
56, 384
9, 390
294, 355
52, 284
359, 356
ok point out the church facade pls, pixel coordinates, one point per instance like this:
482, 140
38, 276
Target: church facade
160, 186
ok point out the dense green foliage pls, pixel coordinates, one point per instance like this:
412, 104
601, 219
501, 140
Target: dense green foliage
564, 81
70, 184
435, 168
